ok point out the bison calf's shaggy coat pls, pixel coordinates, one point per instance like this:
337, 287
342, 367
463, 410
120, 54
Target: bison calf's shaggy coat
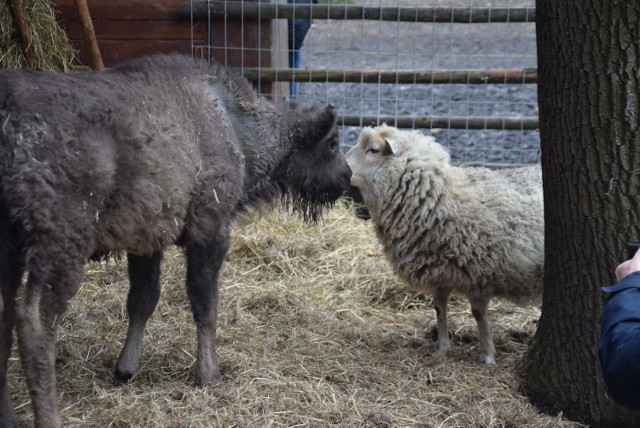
444, 228
157, 151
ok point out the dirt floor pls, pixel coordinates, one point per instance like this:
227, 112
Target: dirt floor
314, 330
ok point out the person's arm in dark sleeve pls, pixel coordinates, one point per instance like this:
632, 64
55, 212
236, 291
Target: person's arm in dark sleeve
619, 345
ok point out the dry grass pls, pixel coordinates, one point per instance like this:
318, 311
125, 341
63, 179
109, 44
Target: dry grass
52, 48
314, 330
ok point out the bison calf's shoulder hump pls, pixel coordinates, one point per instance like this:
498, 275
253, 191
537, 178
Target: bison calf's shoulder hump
156, 151
471, 230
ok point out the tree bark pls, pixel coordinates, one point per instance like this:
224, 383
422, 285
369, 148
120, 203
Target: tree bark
589, 97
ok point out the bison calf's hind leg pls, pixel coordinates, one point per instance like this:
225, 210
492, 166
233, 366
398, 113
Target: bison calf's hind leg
144, 276
54, 277
10, 274
203, 268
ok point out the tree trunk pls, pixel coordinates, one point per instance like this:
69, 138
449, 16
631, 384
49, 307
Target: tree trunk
589, 89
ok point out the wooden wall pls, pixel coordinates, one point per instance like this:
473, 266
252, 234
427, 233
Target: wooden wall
127, 29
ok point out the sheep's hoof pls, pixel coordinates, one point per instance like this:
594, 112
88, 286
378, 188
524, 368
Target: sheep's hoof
488, 360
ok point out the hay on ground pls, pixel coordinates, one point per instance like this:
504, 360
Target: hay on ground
314, 330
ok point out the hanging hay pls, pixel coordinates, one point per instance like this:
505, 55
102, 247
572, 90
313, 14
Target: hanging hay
53, 51
314, 330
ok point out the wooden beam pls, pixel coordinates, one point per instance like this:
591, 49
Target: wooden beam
462, 15
116, 51
144, 29
125, 9
89, 35
477, 77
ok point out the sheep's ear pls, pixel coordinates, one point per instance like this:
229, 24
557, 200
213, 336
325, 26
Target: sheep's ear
390, 146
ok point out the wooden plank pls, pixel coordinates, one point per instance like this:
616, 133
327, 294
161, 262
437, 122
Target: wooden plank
116, 51
123, 9
130, 28
265, 11
141, 30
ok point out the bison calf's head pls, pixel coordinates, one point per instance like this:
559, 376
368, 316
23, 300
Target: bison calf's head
316, 173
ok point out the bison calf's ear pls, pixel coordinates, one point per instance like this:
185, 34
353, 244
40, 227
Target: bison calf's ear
317, 124
326, 120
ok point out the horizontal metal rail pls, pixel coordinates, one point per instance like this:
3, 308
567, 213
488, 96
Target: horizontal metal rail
475, 77
217, 9
259, 10
511, 123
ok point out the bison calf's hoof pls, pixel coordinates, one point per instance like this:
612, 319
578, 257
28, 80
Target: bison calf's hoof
210, 380
441, 352
122, 377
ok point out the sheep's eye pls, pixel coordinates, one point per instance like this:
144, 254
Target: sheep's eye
373, 150
333, 143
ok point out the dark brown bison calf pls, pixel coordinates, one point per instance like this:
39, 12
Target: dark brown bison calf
158, 151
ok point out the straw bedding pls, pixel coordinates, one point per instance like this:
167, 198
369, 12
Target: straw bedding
52, 48
314, 330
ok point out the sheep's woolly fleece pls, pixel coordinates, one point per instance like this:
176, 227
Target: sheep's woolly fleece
476, 231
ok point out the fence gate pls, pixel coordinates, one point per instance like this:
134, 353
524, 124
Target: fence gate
462, 70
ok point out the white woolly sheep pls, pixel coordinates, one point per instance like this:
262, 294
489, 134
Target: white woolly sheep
471, 230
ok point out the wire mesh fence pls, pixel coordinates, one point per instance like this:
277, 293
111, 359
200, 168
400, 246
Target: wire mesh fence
464, 71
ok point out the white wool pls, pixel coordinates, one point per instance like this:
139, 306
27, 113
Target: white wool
471, 230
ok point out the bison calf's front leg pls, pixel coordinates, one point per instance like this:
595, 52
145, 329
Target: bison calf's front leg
203, 267
144, 293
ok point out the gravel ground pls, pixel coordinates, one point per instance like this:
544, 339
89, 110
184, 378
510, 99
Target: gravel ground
376, 45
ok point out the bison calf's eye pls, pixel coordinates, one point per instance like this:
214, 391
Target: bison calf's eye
333, 144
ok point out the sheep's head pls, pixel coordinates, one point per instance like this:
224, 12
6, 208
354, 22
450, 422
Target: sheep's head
374, 148
381, 157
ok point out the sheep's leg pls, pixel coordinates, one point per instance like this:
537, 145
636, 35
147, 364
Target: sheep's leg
203, 268
144, 293
479, 308
55, 274
10, 275
440, 301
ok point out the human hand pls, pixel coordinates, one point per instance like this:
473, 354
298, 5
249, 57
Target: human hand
628, 267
